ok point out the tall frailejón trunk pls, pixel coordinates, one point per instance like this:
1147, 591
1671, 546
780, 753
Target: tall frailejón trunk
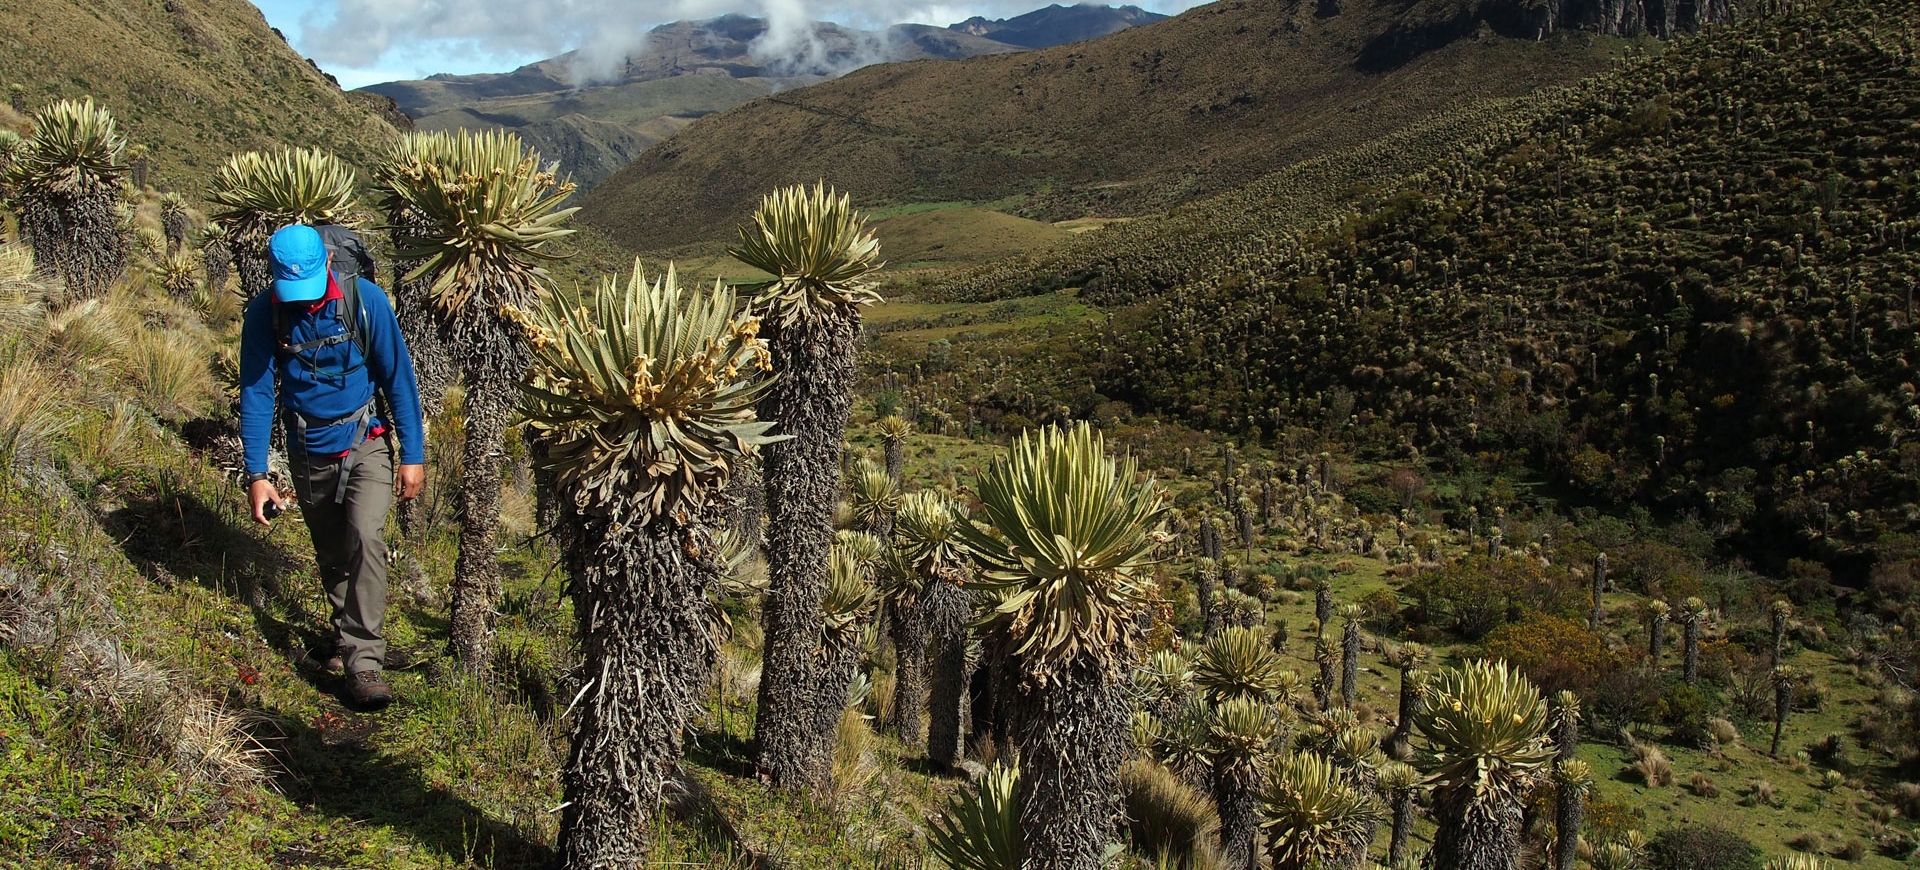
1690, 648
1567, 818
907, 628
1401, 845
947, 610
896, 452
840, 662
476, 573
1207, 591
77, 237
747, 495
1327, 654
1322, 605
646, 646
1234, 791
1656, 640
811, 400
1072, 736
1476, 834
433, 371
1349, 663
216, 258
433, 367
1782, 705
1571, 794
1399, 743
250, 262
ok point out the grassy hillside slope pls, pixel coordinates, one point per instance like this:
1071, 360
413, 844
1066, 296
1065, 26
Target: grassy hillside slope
1129, 123
193, 79
1690, 286
1126, 262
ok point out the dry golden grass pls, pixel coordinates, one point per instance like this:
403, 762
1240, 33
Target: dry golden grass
172, 375
856, 761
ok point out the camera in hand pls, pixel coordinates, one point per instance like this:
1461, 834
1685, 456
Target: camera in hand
272, 509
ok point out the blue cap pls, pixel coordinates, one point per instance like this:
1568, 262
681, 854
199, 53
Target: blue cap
299, 264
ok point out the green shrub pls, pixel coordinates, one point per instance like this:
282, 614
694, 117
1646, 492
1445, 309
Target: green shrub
1684, 710
1706, 847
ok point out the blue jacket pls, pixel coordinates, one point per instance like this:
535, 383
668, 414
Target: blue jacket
328, 383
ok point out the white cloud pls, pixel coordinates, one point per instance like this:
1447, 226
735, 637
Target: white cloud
361, 37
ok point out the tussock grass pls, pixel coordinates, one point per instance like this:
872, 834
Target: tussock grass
31, 415
214, 745
90, 337
1652, 765
855, 758
172, 375
1166, 818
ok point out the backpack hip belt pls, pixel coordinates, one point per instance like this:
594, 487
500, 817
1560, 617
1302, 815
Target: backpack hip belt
362, 421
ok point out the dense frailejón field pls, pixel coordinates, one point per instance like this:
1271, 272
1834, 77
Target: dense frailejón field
1529, 488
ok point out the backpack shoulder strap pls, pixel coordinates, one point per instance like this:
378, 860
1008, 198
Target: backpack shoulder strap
352, 314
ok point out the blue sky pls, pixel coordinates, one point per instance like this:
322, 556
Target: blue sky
364, 42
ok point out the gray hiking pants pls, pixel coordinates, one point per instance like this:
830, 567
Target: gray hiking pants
350, 545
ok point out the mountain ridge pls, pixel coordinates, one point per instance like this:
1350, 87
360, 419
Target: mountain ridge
1058, 25
604, 114
1128, 124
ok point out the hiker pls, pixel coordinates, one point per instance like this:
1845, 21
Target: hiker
329, 343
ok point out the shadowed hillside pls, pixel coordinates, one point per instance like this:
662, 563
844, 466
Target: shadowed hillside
1690, 285
1130, 123
194, 80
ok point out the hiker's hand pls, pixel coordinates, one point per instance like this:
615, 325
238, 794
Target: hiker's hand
408, 482
261, 493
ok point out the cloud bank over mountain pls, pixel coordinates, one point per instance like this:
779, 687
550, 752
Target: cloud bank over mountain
369, 33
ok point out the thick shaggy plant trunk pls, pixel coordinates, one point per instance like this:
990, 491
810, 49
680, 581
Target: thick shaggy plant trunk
433, 371
1399, 743
250, 262
1234, 785
1401, 846
1690, 649
1567, 819
76, 238
947, 610
810, 400
1207, 590
748, 496
1349, 664
647, 646
896, 451
476, 573
907, 628
1072, 737
1656, 640
841, 663
1475, 835
217, 258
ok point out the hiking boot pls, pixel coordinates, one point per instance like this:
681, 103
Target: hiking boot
337, 663
368, 689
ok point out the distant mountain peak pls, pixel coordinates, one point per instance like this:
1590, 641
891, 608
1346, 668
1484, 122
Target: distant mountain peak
1057, 24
